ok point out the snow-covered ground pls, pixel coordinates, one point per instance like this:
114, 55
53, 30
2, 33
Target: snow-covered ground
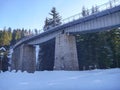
61, 80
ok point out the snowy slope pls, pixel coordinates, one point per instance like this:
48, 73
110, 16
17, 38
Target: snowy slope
61, 80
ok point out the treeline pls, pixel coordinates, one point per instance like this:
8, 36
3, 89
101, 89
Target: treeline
99, 50
9, 37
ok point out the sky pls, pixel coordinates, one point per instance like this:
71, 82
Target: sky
31, 14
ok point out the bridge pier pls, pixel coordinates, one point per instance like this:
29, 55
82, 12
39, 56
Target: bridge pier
23, 58
15, 59
65, 53
29, 58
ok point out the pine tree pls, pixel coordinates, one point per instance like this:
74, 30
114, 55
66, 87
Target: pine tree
36, 31
115, 46
10, 34
55, 17
54, 21
29, 31
46, 26
1, 37
13, 41
105, 52
5, 38
96, 9
22, 33
93, 10
99, 50
87, 12
18, 35
83, 11
110, 4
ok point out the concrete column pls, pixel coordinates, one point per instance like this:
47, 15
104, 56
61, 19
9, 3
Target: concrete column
29, 58
13, 61
65, 53
16, 63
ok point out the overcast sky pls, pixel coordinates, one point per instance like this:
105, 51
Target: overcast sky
31, 14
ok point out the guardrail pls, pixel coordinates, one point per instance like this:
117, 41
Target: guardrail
105, 6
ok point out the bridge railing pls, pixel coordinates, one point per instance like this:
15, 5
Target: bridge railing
22, 40
108, 5
105, 6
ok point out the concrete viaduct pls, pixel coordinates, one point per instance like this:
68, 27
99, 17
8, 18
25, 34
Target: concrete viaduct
23, 57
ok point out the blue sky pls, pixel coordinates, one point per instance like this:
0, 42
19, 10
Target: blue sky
31, 14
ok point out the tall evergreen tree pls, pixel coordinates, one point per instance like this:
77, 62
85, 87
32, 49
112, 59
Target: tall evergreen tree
22, 33
13, 41
5, 38
115, 46
18, 35
93, 10
84, 12
36, 31
1, 37
53, 21
55, 17
10, 34
46, 26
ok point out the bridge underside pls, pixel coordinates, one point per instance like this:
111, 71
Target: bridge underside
46, 55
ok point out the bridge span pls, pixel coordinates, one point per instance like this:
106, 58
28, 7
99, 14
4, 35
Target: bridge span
23, 57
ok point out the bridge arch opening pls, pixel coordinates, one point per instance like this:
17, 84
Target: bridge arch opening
46, 55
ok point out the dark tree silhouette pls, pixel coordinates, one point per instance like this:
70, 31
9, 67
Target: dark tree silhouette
54, 21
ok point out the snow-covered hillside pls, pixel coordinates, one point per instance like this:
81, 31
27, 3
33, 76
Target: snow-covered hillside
61, 80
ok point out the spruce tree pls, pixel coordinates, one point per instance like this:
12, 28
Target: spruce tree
83, 11
1, 37
10, 34
53, 21
55, 17
5, 38
93, 10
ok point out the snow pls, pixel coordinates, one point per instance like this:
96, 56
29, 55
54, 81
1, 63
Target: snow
2, 48
108, 79
37, 52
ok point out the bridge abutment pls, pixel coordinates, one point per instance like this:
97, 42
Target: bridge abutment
65, 53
